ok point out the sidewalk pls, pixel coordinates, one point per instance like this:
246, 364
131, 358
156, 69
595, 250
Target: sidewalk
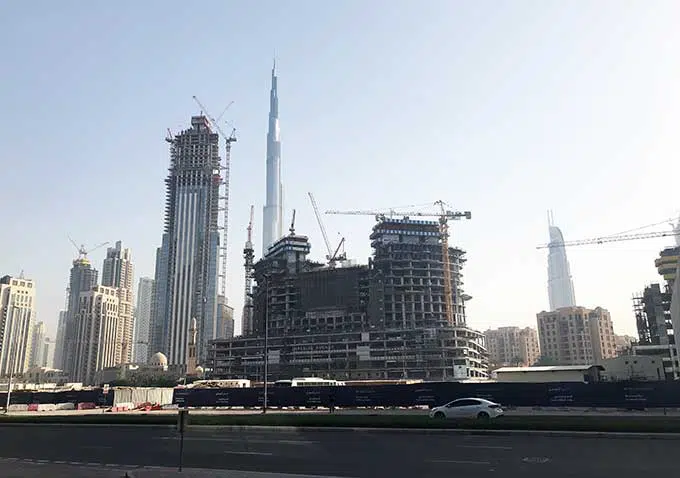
27, 469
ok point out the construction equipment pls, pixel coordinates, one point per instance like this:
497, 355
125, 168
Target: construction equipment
228, 139
249, 257
332, 257
443, 215
292, 225
82, 252
616, 238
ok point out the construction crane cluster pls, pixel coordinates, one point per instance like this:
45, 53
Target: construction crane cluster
333, 256
82, 251
443, 215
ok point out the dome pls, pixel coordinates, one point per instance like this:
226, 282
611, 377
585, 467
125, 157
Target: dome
199, 370
159, 360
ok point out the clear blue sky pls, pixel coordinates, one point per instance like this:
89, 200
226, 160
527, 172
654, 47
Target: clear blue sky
505, 108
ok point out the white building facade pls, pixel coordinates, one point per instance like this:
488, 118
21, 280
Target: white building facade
17, 313
118, 272
99, 333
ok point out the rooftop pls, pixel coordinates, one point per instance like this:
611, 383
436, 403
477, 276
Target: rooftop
548, 368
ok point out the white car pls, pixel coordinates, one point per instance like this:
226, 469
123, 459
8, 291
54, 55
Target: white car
468, 408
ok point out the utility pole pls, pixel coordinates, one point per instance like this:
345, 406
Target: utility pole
266, 342
11, 374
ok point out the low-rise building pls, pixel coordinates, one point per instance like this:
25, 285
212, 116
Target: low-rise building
667, 354
633, 368
563, 373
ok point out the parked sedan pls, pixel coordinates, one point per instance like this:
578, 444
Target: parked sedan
468, 408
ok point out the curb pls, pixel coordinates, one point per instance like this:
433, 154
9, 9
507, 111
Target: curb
447, 431
419, 431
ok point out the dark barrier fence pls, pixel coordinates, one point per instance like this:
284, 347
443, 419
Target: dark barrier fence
96, 396
602, 395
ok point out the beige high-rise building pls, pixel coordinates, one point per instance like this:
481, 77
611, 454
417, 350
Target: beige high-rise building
576, 335
118, 273
37, 344
17, 312
99, 330
512, 346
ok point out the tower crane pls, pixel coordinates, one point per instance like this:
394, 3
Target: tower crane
249, 257
228, 139
615, 238
443, 215
82, 252
332, 257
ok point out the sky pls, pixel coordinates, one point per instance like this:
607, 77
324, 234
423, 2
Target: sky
503, 108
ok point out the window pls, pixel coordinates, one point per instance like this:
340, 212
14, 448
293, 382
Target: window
463, 402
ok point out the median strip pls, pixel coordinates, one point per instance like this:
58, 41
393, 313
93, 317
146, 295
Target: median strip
551, 423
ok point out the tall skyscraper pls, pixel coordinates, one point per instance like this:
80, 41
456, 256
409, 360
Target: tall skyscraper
59, 342
98, 333
83, 278
186, 264
17, 310
272, 216
225, 319
118, 273
560, 284
37, 345
143, 319
47, 355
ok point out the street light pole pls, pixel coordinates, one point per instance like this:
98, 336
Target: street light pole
266, 342
13, 358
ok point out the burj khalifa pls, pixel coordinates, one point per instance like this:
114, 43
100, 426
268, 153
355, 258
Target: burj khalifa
272, 228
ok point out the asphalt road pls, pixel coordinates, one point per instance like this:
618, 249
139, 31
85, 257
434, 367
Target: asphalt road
330, 453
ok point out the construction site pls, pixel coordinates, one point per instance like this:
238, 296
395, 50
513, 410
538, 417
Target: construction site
401, 315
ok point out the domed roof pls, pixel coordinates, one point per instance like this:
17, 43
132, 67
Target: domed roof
199, 370
159, 359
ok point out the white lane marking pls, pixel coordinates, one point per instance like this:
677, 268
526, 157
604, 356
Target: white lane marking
486, 447
536, 459
260, 453
98, 447
460, 462
242, 440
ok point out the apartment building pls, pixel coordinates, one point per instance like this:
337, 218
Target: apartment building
513, 346
17, 312
99, 333
118, 273
576, 335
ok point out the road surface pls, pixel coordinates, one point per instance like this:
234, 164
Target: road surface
331, 453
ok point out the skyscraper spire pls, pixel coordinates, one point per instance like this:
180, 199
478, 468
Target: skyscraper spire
272, 228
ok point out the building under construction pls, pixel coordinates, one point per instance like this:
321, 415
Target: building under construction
385, 320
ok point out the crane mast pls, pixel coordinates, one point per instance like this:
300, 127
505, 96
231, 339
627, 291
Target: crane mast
249, 257
228, 140
443, 215
331, 257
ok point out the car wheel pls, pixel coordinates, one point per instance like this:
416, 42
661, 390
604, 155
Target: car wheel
483, 416
439, 415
